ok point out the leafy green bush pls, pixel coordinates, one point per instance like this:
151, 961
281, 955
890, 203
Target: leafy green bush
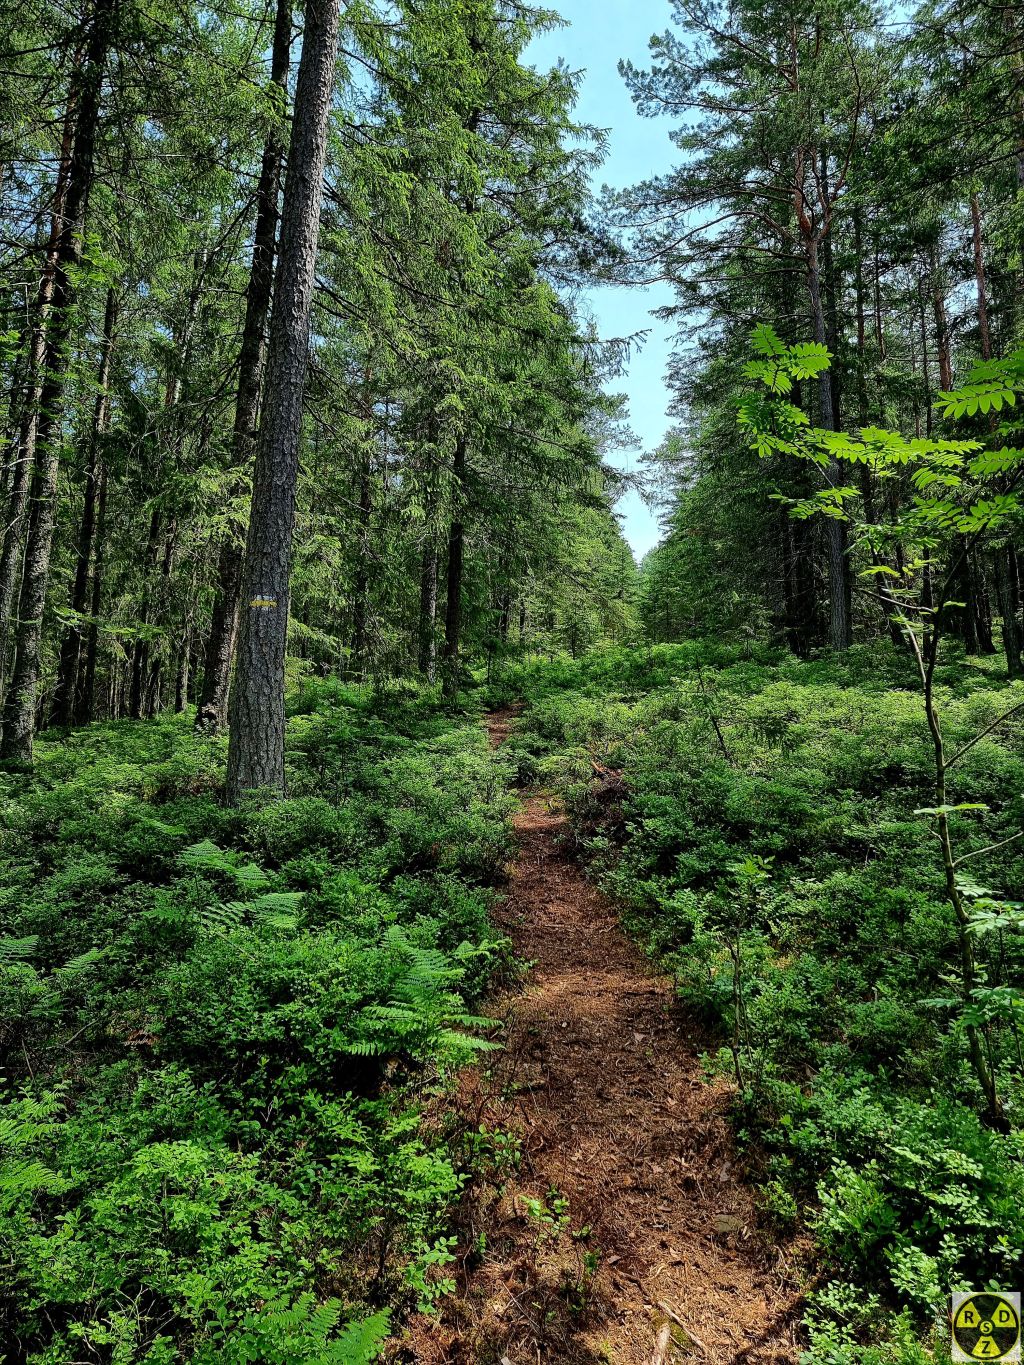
767, 844
214, 1024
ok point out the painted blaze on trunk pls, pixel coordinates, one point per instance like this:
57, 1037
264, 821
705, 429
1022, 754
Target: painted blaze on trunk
256, 745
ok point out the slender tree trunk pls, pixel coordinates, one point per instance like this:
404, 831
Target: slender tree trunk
941, 326
140, 652
428, 609
66, 702
147, 654
866, 483
154, 684
211, 713
1005, 559
835, 533
256, 744
925, 361
23, 454
828, 280
453, 599
982, 603
88, 688
789, 596
20, 707
965, 620
361, 587
1008, 596
879, 329
984, 333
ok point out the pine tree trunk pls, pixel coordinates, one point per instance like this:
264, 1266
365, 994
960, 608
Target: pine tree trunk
925, 360
256, 744
1005, 563
140, 652
88, 688
155, 684
428, 610
1008, 596
984, 333
211, 713
879, 329
983, 602
23, 454
20, 706
835, 532
66, 702
147, 655
941, 327
361, 587
453, 599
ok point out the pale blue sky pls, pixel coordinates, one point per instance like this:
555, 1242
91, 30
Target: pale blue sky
601, 32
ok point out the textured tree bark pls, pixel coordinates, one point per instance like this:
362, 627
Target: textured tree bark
984, 333
211, 713
20, 706
964, 620
453, 598
155, 699
1005, 559
361, 587
140, 652
23, 454
941, 326
88, 688
925, 360
839, 634
256, 743
428, 610
67, 701
1008, 595
982, 602
879, 329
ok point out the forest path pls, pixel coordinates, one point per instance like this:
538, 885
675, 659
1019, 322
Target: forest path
606, 1095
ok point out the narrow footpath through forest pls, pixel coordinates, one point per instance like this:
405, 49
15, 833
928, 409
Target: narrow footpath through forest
627, 1234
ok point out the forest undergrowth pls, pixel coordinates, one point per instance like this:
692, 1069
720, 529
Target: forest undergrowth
764, 824
220, 1025
217, 1025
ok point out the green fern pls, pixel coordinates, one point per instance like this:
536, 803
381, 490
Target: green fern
23, 1176
303, 1330
17, 949
207, 856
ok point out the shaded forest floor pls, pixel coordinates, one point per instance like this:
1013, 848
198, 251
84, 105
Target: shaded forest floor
624, 1231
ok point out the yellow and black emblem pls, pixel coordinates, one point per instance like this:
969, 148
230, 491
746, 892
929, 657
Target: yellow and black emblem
986, 1327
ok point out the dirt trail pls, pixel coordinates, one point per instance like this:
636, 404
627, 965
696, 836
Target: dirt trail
605, 1091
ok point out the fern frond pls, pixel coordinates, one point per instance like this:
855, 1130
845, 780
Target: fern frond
17, 949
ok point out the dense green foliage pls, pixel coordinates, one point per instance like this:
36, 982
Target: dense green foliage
453, 503
854, 183
212, 1020
771, 850
304, 361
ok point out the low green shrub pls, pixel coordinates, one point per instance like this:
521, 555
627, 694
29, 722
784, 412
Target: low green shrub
214, 1026
765, 845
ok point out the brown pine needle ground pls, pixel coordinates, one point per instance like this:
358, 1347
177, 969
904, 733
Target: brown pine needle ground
655, 1255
